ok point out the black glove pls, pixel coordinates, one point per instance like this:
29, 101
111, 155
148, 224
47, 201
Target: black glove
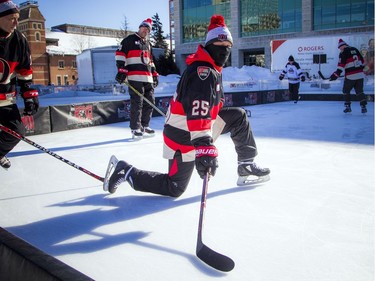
333, 77
156, 81
121, 75
31, 105
206, 160
281, 77
303, 78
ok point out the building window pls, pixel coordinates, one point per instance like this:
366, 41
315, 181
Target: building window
196, 17
254, 57
37, 36
22, 27
61, 64
328, 14
74, 64
66, 80
37, 25
270, 17
58, 79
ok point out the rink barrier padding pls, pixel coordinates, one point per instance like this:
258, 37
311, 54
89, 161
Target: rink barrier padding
20, 261
56, 118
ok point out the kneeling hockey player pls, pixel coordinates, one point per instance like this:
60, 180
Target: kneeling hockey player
195, 116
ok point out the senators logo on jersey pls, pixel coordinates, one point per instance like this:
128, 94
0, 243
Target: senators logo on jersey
4, 71
203, 72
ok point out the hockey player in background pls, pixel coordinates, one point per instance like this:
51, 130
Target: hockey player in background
15, 65
294, 74
195, 117
352, 62
134, 63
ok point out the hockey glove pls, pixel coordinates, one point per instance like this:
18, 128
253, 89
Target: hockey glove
156, 81
303, 78
281, 77
333, 77
121, 75
31, 105
31, 101
206, 160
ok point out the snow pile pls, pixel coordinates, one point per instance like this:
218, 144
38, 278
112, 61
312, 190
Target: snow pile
248, 73
246, 78
74, 44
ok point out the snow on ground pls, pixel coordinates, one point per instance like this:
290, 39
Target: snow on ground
246, 78
313, 221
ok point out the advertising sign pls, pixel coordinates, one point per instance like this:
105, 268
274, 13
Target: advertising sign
305, 49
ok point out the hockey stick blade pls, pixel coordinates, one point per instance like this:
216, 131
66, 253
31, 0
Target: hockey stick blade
111, 165
214, 259
204, 253
321, 75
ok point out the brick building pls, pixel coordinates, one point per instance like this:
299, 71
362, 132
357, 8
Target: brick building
54, 50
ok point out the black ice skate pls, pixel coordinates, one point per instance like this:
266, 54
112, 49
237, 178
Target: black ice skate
299, 97
137, 134
4, 162
347, 109
148, 132
363, 104
120, 174
249, 173
111, 165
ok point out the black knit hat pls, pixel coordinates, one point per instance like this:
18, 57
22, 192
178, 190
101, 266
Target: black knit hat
290, 58
7, 7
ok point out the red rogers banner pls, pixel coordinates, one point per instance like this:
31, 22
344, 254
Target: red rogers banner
303, 49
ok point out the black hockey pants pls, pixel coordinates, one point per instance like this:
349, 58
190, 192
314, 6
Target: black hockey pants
294, 91
10, 117
357, 85
140, 110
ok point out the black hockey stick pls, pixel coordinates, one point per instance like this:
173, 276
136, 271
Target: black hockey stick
150, 103
206, 254
19, 136
322, 76
325, 78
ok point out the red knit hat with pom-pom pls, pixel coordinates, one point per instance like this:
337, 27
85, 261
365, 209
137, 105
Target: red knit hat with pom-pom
218, 31
341, 43
146, 23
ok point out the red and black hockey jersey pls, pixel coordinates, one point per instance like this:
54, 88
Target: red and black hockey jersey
135, 55
351, 61
15, 67
194, 107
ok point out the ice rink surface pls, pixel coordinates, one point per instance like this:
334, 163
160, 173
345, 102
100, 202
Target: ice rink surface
313, 221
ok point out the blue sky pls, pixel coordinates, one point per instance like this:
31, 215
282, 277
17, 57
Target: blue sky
110, 14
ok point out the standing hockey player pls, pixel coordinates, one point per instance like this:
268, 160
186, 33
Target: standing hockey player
134, 63
15, 65
352, 62
195, 116
295, 75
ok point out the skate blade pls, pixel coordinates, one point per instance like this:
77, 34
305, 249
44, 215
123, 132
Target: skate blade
247, 181
136, 138
111, 165
146, 135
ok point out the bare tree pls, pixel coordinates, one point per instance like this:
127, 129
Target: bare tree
83, 42
124, 29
